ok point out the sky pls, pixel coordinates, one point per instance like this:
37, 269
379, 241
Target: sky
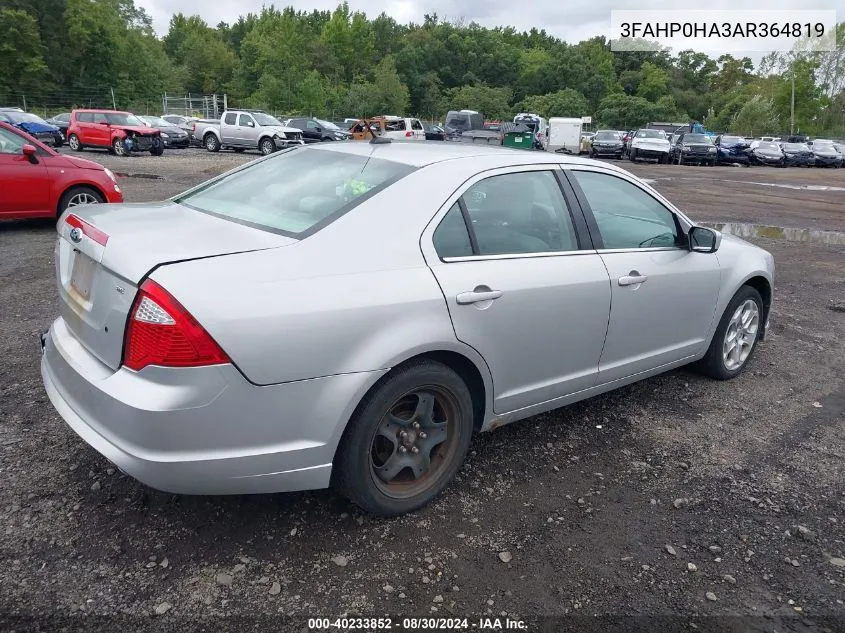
570, 20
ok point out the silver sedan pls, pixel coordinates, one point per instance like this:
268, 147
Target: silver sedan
348, 314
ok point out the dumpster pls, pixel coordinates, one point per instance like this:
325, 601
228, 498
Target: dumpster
517, 135
481, 136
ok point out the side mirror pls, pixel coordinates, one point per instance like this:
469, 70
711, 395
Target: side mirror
704, 240
30, 152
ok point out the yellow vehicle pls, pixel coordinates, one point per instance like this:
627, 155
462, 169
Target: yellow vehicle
366, 129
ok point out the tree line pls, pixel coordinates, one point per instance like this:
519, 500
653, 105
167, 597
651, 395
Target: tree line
344, 63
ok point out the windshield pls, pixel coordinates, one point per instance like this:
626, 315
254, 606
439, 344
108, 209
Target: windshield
123, 118
606, 136
828, 145
327, 124
768, 145
296, 192
733, 139
156, 121
651, 134
23, 117
696, 138
265, 119
795, 147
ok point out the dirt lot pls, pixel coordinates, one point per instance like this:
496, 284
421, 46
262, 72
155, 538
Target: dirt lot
677, 496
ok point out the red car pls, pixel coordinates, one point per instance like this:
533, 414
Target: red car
120, 132
38, 182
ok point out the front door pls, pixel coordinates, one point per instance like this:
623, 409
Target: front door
664, 295
522, 286
245, 132
24, 185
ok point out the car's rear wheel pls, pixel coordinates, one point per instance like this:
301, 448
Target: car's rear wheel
736, 336
212, 144
406, 440
73, 142
632, 156
76, 196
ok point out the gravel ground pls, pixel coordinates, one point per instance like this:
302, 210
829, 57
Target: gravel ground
677, 496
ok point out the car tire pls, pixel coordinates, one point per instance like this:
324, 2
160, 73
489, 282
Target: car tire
211, 142
78, 195
157, 148
376, 468
58, 141
721, 364
74, 143
118, 148
266, 146
632, 156
327, 138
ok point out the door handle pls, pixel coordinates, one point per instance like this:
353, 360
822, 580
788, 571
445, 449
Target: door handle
477, 296
632, 278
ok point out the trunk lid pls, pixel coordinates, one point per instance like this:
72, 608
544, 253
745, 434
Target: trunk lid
104, 251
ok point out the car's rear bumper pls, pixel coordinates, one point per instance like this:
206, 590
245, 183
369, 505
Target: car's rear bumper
202, 430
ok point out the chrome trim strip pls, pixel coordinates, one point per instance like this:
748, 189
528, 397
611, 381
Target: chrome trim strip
602, 251
479, 258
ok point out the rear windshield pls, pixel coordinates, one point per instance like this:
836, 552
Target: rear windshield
296, 192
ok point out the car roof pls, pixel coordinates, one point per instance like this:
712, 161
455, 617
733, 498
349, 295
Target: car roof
101, 111
422, 153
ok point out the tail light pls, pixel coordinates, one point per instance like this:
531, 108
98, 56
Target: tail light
193, 127
409, 133
160, 331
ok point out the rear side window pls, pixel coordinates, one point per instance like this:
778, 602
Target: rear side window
396, 126
510, 214
296, 192
230, 119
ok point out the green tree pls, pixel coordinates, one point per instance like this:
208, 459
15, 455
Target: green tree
390, 94
493, 103
563, 103
622, 112
22, 65
654, 82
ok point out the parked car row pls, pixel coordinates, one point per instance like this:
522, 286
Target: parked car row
727, 149
34, 125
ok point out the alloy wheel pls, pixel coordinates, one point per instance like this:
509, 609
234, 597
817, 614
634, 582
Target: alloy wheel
741, 335
413, 442
81, 198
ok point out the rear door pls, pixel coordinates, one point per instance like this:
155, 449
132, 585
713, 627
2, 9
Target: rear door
664, 296
522, 284
24, 186
229, 129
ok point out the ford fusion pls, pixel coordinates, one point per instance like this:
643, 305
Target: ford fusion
348, 314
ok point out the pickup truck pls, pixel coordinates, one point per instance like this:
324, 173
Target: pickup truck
247, 129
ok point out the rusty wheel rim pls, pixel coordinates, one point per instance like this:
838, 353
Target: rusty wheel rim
415, 442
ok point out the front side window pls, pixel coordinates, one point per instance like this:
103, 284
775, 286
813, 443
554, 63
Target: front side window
416, 125
627, 216
11, 143
312, 125
295, 192
244, 120
509, 214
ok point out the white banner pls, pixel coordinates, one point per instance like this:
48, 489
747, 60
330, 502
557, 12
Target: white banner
723, 31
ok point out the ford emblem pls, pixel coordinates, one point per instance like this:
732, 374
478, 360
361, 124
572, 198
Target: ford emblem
76, 235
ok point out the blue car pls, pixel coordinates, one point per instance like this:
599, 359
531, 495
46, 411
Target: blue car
732, 149
33, 125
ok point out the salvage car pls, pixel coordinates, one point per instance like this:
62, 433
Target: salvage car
172, 135
255, 334
38, 182
826, 154
606, 143
61, 121
766, 153
33, 125
693, 148
247, 129
122, 133
798, 155
316, 130
732, 150
649, 144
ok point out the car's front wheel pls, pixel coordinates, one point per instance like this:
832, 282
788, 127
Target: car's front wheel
77, 196
119, 147
267, 146
633, 155
736, 336
406, 440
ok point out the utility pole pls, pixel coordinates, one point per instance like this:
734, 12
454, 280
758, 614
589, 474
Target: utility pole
113, 103
792, 104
